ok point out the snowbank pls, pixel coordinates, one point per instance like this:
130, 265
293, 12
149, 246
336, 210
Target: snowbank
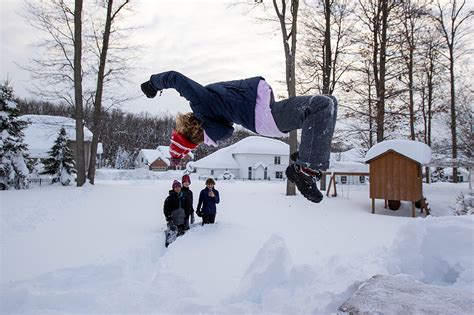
436, 251
403, 295
136, 174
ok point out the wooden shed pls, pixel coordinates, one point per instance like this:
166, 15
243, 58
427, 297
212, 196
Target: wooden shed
395, 168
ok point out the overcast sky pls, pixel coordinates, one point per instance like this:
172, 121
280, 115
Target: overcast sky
208, 41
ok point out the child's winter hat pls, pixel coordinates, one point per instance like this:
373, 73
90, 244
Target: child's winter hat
176, 183
180, 146
186, 178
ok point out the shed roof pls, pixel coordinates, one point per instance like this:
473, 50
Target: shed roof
414, 150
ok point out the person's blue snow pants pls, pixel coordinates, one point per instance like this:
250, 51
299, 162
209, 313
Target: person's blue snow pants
316, 117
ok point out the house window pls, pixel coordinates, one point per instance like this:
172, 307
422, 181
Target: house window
460, 179
212, 172
277, 160
279, 175
343, 179
265, 173
142, 159
250, 172
362, 179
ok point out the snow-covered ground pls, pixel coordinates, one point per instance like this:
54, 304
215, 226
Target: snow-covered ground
100, 249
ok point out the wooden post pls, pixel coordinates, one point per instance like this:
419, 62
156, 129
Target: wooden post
385, 205
413, 209
329, 187
373, 205
334, 183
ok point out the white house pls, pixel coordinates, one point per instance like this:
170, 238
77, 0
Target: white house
157, 159
43, 130
463, 174
254, 158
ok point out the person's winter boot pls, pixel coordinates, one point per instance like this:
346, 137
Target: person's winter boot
305, 182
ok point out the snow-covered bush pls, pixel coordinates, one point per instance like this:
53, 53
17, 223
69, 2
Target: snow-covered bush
228, 175
464, 204
13, 151
122, 159
60, 163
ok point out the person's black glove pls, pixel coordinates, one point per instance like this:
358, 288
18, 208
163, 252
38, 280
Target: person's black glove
199, 213
148, 89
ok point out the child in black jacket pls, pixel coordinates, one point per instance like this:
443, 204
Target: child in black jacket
250, 103
174, 208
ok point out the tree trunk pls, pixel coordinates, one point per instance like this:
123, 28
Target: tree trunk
382, 69
410, 92
327, 48
80, 163
98, 94
453, 112
290, 52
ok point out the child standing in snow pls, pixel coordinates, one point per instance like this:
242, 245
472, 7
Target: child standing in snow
250, 103
208, 198
188, 194
174, 207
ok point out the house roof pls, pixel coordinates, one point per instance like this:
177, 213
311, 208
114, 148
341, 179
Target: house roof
224, 158
350, 167
413, 150
43, 130
151, 155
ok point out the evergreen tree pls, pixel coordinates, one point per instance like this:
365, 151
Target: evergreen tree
13, 150
122, 160
60, 163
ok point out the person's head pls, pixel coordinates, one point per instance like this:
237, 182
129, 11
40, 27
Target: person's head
186, 180
190, 127
210, 183
176, 186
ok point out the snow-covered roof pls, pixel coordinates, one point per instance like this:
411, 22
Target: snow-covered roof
260, 145
352, 167
224, 158
43, 130
414, 150
152, 155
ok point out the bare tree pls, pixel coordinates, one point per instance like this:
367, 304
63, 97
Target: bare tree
80, 162
452, 23
375, 16
102, 57
288, 25
327, 41
428, 80
411, 32
101, 76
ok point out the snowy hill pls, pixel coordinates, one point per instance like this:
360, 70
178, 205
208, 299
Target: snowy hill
100, 249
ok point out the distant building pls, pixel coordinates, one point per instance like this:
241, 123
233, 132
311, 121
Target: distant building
43, 130
463, 174
159, 159
253, 158
351, 161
